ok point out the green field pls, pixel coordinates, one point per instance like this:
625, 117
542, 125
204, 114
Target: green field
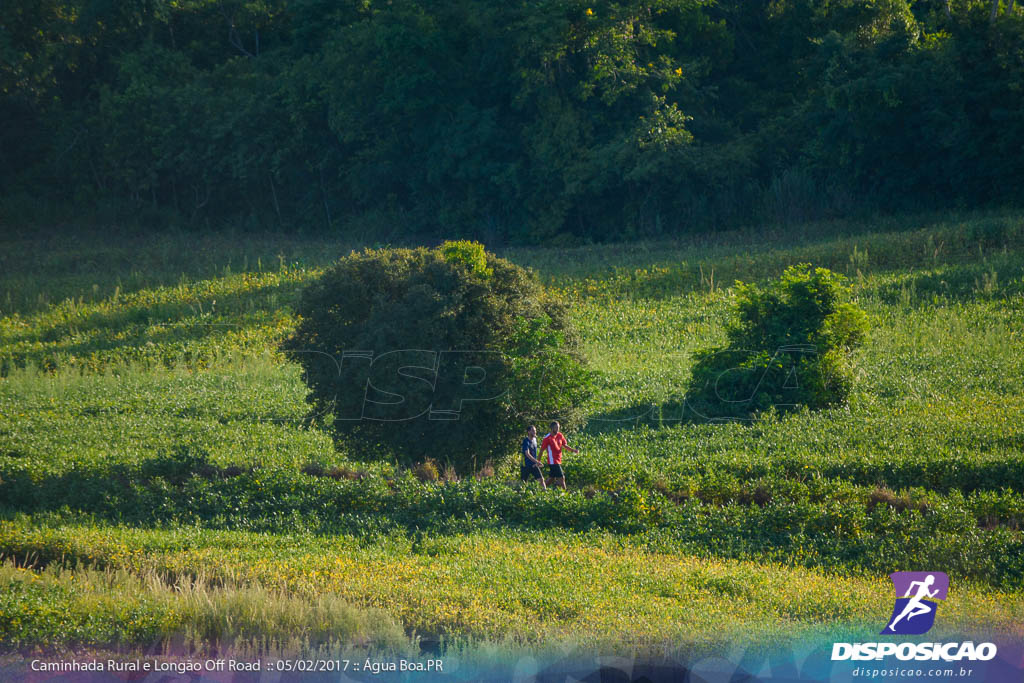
162, 485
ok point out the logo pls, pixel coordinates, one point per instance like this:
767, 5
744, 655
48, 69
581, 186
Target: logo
912, 615
922, 652
916, 596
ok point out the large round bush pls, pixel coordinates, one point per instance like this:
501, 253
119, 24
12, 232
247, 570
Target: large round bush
789, 345
444, 353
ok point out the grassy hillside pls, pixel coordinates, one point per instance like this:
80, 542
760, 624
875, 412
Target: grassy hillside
155, 447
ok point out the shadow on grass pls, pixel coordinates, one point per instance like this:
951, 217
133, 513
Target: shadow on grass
959, 259
656, 416
141, 326
1002, 278
183, 488
47, 269
633, 416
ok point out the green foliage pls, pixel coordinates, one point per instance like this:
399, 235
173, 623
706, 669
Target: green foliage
787, 347
71, 609
167, 438
517, 122
470, 342
803, 306
470, 254
497, 588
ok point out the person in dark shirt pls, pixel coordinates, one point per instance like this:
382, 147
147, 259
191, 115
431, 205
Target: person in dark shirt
530, 469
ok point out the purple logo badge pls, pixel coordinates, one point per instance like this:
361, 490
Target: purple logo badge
916, 595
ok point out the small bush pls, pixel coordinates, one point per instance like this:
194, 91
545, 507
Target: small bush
788, 347
313, 469
338, 472
449, 475
442, 353
487, 471
426, 471
900, 503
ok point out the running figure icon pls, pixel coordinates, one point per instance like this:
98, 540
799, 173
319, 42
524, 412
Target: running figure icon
917, 600
915, 605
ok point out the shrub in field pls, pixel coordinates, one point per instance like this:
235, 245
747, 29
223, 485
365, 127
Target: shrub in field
436, 353
788, 346
426, 471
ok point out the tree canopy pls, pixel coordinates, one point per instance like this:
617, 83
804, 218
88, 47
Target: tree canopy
511, 121
441, 353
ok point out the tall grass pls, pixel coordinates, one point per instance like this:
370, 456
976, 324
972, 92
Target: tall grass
113, 608
591, 589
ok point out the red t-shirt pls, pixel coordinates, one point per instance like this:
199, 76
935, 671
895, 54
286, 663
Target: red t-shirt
552, 446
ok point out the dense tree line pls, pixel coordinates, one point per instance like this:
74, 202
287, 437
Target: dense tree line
516, 121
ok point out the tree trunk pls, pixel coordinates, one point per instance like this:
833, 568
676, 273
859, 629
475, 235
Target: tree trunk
995, 10
273, 194
323, 194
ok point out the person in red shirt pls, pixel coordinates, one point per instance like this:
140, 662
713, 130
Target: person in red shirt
551, 447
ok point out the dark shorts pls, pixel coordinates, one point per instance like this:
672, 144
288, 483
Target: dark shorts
555, 472
528, 473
